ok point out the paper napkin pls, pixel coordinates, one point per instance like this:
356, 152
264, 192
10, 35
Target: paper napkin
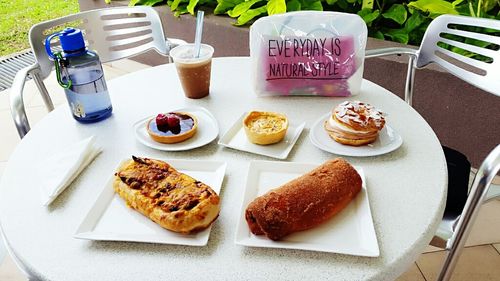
58, 171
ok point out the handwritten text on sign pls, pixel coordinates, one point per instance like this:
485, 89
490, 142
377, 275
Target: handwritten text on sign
310, 58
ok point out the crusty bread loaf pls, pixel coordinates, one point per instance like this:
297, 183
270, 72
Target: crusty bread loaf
304, 202
172, 199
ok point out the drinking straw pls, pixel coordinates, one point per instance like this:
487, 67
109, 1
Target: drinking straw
199, 31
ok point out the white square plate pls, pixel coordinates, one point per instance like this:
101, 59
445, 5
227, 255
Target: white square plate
236, 138
349, 232
110, 219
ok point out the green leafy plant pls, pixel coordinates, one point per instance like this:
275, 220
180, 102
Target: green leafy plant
399, 21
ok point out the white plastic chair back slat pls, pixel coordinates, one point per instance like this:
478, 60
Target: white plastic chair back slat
113, 33
127, 41
483, 75
476, 63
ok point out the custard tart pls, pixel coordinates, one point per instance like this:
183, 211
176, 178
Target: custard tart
265, 127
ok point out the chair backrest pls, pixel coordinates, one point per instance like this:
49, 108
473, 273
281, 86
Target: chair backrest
460, 33
114, 34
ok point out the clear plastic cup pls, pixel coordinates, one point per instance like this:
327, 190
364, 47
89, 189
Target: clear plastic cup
194, 73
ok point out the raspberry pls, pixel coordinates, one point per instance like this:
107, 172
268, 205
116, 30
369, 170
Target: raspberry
173, 120
162, 120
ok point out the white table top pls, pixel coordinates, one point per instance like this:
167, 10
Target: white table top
407, 189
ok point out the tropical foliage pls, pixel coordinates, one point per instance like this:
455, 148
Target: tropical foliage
396, 20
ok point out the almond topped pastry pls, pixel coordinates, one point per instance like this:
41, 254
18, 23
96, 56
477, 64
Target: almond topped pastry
172, 199
265, 127
355, 123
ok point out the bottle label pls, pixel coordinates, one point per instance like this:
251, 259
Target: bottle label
83, 105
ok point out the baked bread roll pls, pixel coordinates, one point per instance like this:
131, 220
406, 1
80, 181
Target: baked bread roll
354, 123
172, 199
304, 202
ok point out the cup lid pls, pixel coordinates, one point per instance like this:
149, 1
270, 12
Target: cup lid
185, 53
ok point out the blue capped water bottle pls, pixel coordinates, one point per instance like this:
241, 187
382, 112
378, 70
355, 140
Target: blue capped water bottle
79, 72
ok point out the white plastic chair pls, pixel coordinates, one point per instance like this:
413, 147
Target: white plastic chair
115, 33
454, 230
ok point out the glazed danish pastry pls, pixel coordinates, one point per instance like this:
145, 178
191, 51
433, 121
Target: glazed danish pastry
355, 123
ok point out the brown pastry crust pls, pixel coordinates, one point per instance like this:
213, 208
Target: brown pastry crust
304, 202
172, 199
174, 138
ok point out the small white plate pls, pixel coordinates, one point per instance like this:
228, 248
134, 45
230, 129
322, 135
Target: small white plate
388, 140
110, 219
236, 138
349, 232
207, 131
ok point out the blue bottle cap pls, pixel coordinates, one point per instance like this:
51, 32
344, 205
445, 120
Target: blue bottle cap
71, 39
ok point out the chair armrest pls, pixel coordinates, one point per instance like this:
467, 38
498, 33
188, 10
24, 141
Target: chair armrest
383, 52
16, 100
410, 76
172, 43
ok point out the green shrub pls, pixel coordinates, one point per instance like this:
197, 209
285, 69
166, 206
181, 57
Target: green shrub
400, 21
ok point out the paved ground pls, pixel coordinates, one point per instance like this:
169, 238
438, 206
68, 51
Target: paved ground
480, 261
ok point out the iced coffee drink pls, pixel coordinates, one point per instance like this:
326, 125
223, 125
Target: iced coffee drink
194, 72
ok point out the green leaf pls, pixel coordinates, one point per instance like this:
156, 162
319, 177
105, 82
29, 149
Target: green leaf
293, 5
369, 16
367, 4
250, 14
377, 34
456, 3
181, 10
142, 2
225, 5
331, 2
312, 5
488, 5
191, 5
276, 7
174, 5
434, 7
417, 34
397, 13
343, 5
414, 21
398, 35
241, 8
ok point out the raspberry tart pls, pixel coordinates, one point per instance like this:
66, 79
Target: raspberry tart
172, 127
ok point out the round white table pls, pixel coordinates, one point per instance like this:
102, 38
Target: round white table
407, 188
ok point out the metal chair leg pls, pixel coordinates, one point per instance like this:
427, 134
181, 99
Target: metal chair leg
488, 170
410, 80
